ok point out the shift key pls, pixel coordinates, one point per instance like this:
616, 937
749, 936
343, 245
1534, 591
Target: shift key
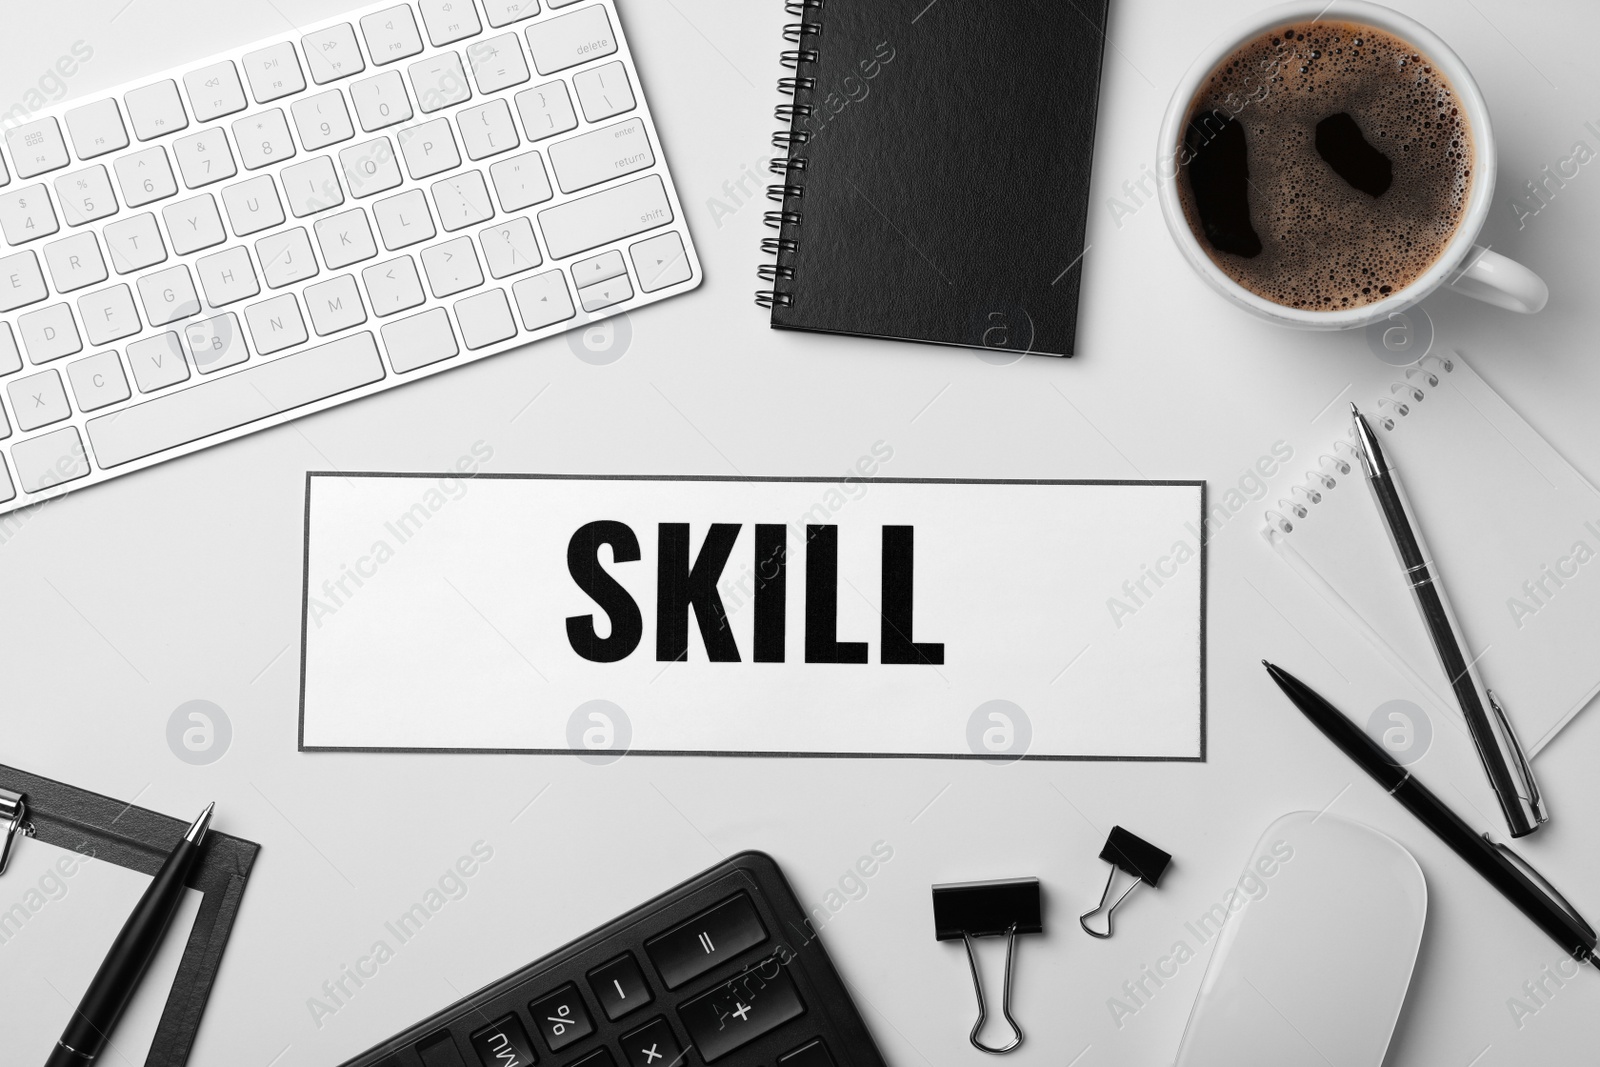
606, 216
600, 155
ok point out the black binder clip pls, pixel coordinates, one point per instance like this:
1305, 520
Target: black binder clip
967, 910
1132, 855
13, 821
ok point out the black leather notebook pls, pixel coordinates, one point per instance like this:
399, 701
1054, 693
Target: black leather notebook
935, 181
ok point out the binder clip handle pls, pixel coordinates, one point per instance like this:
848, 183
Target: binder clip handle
968, 910
13, 812
1132, 855
1005, 1001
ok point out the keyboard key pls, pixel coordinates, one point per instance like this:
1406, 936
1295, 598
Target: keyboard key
737, 1012
497, 63
322, 120
604, 217
711, 938
404, 219
332, 54
391, 34
543, 300
605, 294
487, 130
26, 215
504, 1044
568, 40
48, 334
215, 91
75, 262
604, 91
204, 157
157, 362
145, 176
449, 21
462, 201
811, 1054
252, 205
215, 343
108, 315
235, 400
394, 286
597, 268
520, 181
10, 355
439, 82
134, 243
50, 459
98, 381
562, 1017
263, 138
286, 257
345, 238
600, 155
193, 224
429, 149
419, 341
227, 276
660, 262
38, 400
546, 110
380, 100
86, 195
370, 167
451, 267
273, 72
7, 490
311, 186
505, 12
21, 281
96, 128
485, 318
155, 110
36, 147
652, 1045
620, 986
509, 247
168, 295
275, 324
335, 305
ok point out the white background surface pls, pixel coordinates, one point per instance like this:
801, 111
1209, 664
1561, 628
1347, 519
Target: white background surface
184, 582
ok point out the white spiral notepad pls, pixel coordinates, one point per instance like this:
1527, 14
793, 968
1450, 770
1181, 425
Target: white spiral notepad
1514, 529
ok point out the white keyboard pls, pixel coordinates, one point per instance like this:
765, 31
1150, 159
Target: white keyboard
315, 218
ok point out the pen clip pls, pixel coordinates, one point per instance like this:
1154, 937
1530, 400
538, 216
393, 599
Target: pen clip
1519, 761
13, 812
1543, 883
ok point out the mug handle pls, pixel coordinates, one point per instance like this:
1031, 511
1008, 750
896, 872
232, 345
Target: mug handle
1505, 283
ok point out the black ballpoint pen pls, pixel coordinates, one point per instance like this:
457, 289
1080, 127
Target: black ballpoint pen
1498, 748
132, 951
1505, 870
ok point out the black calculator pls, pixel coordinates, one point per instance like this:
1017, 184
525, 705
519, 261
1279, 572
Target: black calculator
724, 969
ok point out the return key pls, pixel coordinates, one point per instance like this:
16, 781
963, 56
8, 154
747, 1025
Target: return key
600, 155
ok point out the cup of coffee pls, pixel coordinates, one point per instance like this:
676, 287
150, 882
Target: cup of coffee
1325, 171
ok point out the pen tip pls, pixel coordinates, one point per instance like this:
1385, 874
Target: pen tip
1353, 409
197, 829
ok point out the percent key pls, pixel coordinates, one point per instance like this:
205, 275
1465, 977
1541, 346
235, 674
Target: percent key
562, 1017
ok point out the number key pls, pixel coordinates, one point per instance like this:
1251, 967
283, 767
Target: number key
380, 100
215, 91
204, 157
562, 1017
86, 195
263, 138
322, 120
26, 215
145, 176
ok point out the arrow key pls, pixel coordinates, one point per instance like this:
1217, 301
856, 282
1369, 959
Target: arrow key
660, 262
543, 300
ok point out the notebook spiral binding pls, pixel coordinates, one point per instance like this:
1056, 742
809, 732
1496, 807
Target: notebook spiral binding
791, 141
1344, 459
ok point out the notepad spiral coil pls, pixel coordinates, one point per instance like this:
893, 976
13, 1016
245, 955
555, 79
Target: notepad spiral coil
1344, 459
790, 166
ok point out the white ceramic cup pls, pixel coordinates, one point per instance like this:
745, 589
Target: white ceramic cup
1467, 267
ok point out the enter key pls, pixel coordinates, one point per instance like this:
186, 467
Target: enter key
599, 155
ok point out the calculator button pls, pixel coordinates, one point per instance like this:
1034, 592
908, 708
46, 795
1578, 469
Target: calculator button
562, 1018
438, 1050
620, 986
155, 110
811, 1054
652, 1045
710, 938
600, 1057
505, 1044
737, 1012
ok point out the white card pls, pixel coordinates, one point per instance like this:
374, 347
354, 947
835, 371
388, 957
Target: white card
992, 620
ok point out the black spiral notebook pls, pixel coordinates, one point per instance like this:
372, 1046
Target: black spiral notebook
935, 176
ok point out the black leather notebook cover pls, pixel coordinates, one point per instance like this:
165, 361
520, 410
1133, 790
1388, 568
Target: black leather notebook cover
936, 186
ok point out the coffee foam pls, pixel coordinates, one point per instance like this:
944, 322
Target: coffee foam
1325, 245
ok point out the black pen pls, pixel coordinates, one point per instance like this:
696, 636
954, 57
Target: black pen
1505, 870
130, 954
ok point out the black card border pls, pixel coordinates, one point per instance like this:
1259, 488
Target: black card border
305, 604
